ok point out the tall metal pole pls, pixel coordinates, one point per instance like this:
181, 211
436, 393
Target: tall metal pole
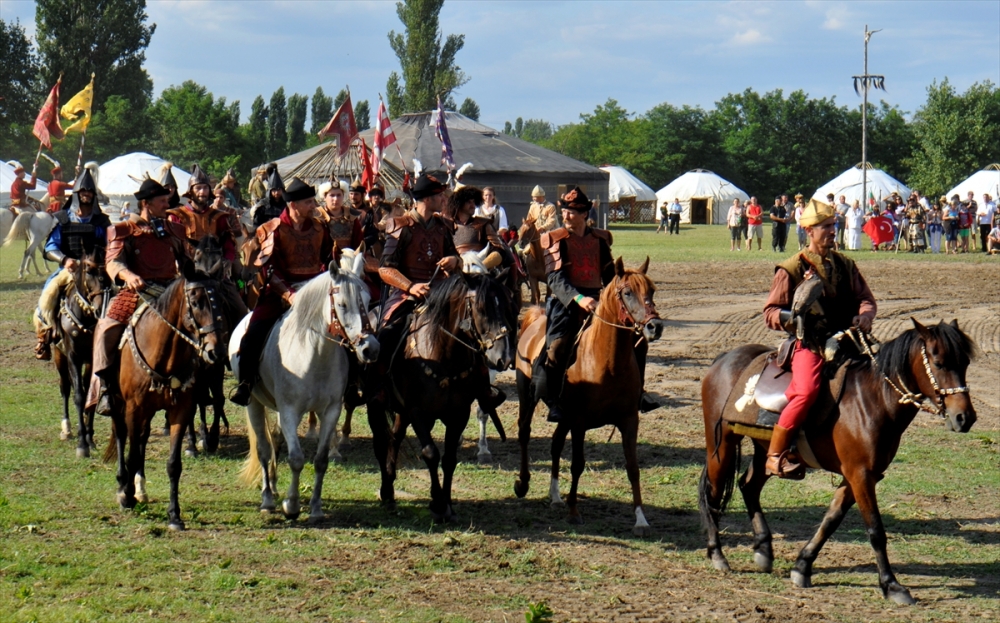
861, 85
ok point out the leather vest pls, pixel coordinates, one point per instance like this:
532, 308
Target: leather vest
297, 253
583, 261
198, 225
424, 250
76, 239
470, 236
152, 258
342, 230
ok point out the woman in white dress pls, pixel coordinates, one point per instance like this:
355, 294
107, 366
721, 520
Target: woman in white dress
855, 222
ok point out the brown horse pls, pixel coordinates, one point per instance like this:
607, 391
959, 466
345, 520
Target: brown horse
78, 314
158, 371
858, 441
530, 242
602, 386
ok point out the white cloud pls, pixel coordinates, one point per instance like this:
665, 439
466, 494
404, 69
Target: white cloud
749, 37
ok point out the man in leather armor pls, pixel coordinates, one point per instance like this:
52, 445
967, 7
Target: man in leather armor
578, 263
846, 301
294, 248
144, 253
273, 204
80, 228
471, 233
343, 223
372, 222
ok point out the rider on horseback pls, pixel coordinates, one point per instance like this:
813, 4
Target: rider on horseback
143, 252
579, 263
294, 248
273, 204
80, 228
19, 189
845, 301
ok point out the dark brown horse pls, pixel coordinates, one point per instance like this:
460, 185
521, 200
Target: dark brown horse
922, 368
438, 371
78, 314
529, 240
166, 349
602, 386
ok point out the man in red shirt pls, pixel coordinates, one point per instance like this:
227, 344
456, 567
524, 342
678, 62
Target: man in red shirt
19, 189
57, 190
755, 223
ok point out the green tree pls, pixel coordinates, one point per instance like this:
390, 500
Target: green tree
955, 135
189, 125
297, 106
681, 139
606, 136
117, 129
362, 115
322, 110
508, 129
470, 109
428, 67
104, 37
890, 139
21, 93
254, 133
277, 125
338, 100
536, 131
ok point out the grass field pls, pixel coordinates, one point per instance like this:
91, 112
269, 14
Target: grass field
68, 553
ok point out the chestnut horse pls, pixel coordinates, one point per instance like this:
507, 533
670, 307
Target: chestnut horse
530, 242
858, 441
159, 367
78, 313
439, 369
602, 385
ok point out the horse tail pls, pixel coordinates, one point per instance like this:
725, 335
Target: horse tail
252, 471
20, 228
727, 486
111, 452
530, 315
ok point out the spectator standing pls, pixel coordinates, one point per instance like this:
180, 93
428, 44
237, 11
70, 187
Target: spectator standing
965, 218
985, 216
800, 230
854, 221
972, 208
662, 214
743, 220
674, 212
734, 220
950, 217
779, 224
755, 223
841, 209
935, 228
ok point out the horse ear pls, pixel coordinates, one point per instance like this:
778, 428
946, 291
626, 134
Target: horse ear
954, 323
361, 248
189, 271
359, 263
921, 329
645, 266
619, 267
333, 267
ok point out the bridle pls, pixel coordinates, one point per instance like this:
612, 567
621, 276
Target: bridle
468, 324
625, 317
930, 404
335, 329
82, 325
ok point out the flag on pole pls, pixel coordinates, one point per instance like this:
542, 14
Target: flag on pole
81, 103
47, 123
871, 199
879, 229
384, 136
441, 131
342, 125
367, 170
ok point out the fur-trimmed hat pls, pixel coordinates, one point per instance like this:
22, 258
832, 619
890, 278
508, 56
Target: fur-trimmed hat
298, 191
576, 200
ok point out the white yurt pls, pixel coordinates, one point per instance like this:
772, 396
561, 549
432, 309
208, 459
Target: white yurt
980, 183
629, 199
119, 179
880, 185
7, 178
705, 196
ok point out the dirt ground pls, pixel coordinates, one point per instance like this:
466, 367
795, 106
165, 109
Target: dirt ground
711, 308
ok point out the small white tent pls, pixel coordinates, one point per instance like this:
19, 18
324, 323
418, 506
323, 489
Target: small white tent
628, 197
7, 178
705, 196
848, 183
120, 178
980, 182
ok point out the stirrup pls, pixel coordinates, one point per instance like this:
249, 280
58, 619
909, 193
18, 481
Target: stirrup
105, 401
241, 395
43, 351
783, 466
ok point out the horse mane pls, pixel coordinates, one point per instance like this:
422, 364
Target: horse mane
893, 357
608, 294
438, 310
309, 302
162, 303
531, 315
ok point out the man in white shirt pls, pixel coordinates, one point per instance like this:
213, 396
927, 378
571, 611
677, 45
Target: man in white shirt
986, 214
841, 209
674, 214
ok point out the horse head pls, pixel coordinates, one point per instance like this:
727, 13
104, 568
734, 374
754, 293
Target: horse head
92, 281
493, 319
201, 312
635, 291
348, 307
208, 258
939, 367
527, 233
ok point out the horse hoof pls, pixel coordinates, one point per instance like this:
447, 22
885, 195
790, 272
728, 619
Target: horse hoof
763, 562
641, 531
65, 434
190, 453
720, 563
315, 519
291, 511
200, 446
575, 520
901, 596
266, 510
520, 490
344, 446
83, 453
801, 580
485, 458
142, 497
166, 431
176, 526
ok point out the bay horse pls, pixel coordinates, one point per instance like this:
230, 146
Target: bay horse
530, 242
79, 311
466, 325
167, 340
602, 386
858, 441
304, 368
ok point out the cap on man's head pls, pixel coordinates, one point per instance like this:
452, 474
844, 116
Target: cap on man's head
815, 213
150, 189
538, 191
356, 187
298, 191
376, 191
575, 200
427, 186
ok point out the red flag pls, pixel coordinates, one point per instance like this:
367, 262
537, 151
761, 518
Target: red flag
879, 229
341, 125
384, 136
367, 173
47, 124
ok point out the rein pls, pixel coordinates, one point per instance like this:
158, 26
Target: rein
625, 315
908, 397
336, 328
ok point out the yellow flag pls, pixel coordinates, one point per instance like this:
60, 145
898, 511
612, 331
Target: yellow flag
80, 104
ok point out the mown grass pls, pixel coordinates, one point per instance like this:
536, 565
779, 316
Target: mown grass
68, 553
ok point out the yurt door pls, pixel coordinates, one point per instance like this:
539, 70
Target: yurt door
699, 211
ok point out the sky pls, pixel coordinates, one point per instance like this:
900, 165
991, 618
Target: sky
556, 60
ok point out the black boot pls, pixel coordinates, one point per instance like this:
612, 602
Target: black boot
241, 395
647, 404
107, 395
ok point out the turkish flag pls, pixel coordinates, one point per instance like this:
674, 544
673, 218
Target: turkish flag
879, 229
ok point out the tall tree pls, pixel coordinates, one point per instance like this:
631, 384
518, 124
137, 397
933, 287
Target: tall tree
536, 131
428, 67
470, 109
191, 125
297, 105
362, 115
890, 139
21, 95
277, 125
255, 132
681, 139
322, 110
338, 99
956, 135
104, 37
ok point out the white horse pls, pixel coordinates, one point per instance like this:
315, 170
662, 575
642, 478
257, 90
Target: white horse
33, 227
304, 368
6, 221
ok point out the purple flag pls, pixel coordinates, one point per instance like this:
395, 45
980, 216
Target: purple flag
441, 130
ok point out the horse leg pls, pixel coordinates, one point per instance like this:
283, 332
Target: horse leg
843, 499
558, 442
381, 442
313, 431
576, 469
139, 477
218, 412
180, 418
452, 441
327, 430
485, 457
296, 459
191, 450
630, 433
751, 484
345, 432
135, 450
432, 458
257, 418
526, 409
62, 366
719, 470
120, 431
79, 398
863, 484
